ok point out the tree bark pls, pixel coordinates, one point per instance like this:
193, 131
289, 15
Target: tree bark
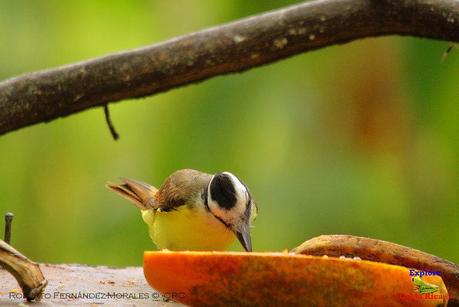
234, 47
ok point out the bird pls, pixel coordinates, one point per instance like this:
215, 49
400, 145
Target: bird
193, 210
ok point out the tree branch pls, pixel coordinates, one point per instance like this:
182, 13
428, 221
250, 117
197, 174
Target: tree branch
26, 272
234, 47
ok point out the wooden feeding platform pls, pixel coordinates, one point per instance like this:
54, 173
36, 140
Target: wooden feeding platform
74, 284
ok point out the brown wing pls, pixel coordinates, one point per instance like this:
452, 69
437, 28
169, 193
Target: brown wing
180, 187
139, 193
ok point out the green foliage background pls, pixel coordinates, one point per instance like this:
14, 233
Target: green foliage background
359, 139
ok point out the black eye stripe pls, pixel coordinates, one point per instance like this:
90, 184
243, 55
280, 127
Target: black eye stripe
222, 191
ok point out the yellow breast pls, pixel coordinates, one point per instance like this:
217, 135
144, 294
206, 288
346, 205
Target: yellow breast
187, 229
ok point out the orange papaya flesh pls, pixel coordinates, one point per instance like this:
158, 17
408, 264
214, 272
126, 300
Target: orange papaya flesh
268, 279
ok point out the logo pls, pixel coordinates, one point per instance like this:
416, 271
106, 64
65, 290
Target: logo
424, 287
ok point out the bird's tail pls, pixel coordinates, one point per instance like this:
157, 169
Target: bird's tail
139, 193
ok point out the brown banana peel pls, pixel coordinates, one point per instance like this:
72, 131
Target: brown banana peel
26, 272
385, 252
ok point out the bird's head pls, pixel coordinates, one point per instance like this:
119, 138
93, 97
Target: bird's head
230, 201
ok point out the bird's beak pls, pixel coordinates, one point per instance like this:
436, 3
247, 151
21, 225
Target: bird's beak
243, 236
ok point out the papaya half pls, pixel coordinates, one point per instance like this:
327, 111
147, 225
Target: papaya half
272, 279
